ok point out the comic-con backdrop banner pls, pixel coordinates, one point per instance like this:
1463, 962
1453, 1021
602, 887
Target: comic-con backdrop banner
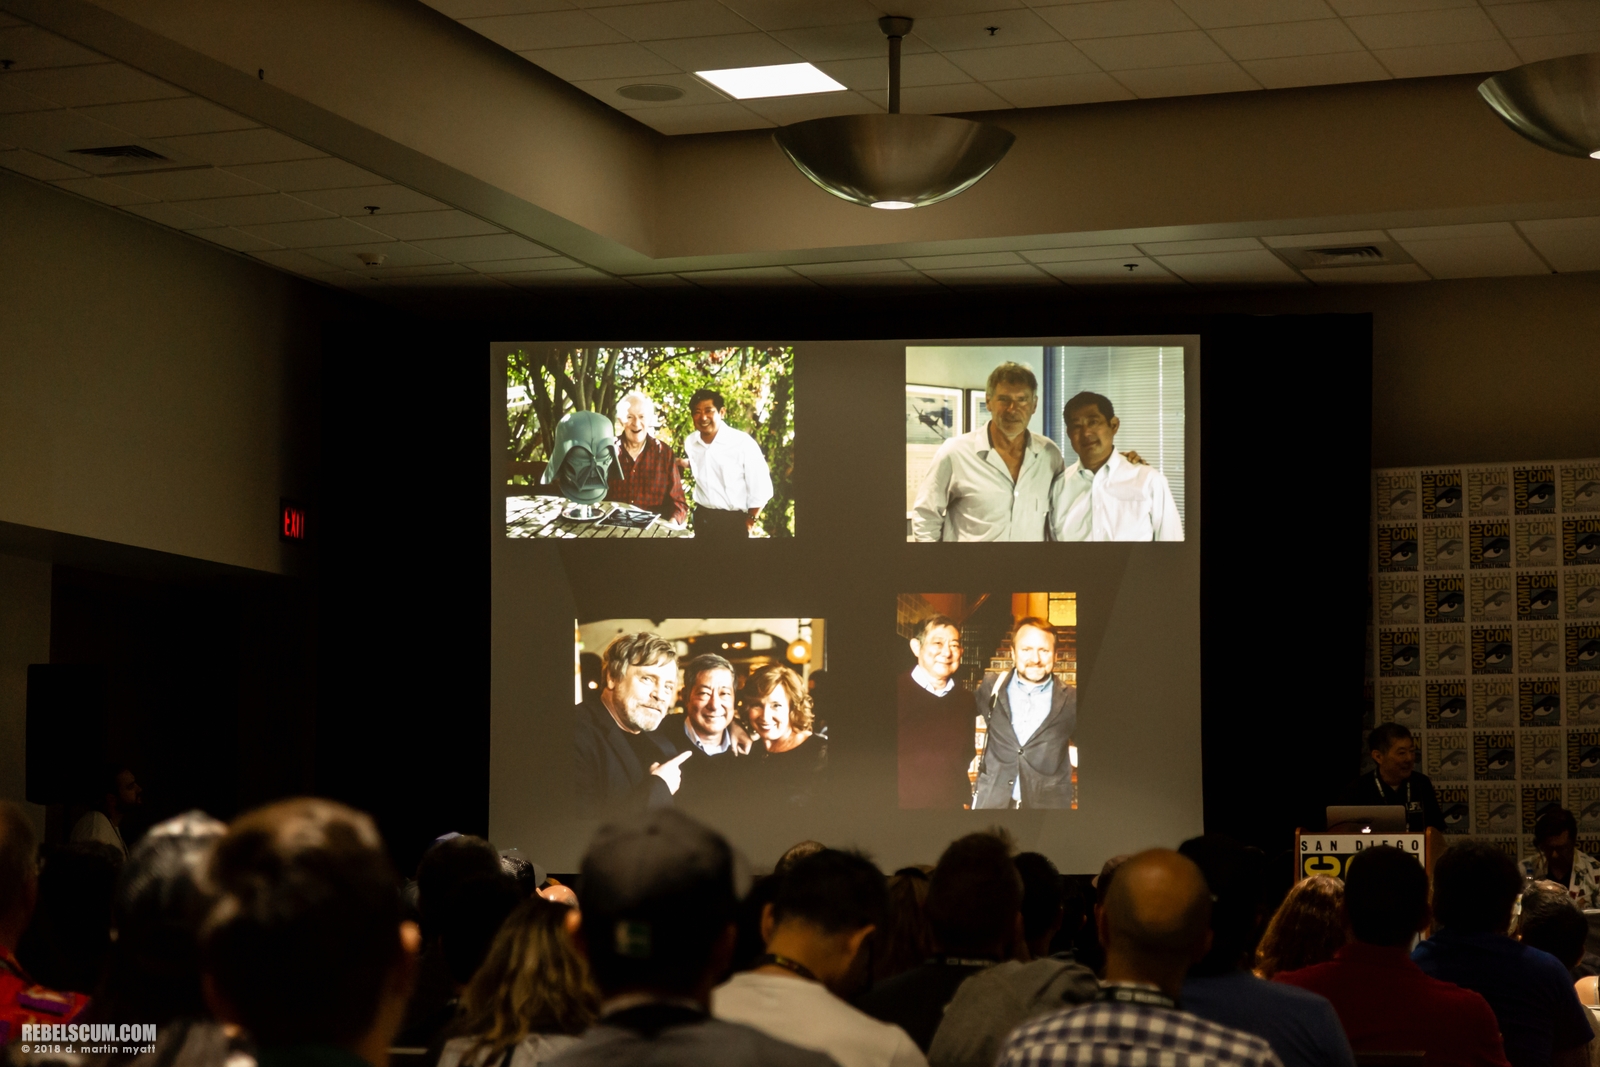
1486, 639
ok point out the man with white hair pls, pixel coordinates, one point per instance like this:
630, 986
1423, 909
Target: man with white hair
646, 475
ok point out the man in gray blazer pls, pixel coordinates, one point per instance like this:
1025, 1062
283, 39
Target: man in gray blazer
1027, 758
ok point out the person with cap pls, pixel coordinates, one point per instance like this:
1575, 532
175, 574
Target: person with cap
657, 928
1155, 926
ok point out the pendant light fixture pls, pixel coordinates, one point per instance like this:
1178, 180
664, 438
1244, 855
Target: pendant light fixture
1555, 103
893, 161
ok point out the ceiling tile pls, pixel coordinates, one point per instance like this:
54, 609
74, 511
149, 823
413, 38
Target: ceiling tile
798, 14
414, 225
573, 276
36, 166
1073, 255
899, 279
600, 61
545, 29
671, 19
1047, 60
467, 9
168, 118
1064, 89
744, 276
851, 267
1294, 71
256, 210
316, 233
1417, 28
486, 248
57, 133
695, 91
1489, 256
237, 240
943, 99
1567, 244
30, 48
1112, 272
13, 101
388, 199
1287, 39
700, 118
102, 83
659, 281
1326, 240
1153, 50
1385, 272
922, 10
860, 40
179, 218
929, 68
395, 254
786, 109
722, 52
950, 33
967, 259
388, 271
103, 191
1257, 267
1188, 81
1022, 274
241, 147
523, 266
1533, 49
305, 174
298, 262
1547, 18
1440, 233
1211, 14
1216, 244
1473, 57
1116, 18
189, 184
1383, 7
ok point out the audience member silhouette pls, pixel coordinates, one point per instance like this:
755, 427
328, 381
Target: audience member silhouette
23, 1000
1308, 927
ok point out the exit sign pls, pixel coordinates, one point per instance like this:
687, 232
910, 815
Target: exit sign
291, 521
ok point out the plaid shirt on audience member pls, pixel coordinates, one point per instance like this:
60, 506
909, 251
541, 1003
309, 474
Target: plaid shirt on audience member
1118, 1034
651, 482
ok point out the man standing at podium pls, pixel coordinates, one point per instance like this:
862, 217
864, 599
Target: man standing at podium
1395, 780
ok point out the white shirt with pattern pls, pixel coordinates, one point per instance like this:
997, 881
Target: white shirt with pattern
1584, 884
1121, 501
968, 493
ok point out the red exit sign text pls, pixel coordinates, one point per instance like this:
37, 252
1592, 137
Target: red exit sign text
291, 521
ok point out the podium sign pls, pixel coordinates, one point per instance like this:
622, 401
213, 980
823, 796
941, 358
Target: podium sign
1330, 853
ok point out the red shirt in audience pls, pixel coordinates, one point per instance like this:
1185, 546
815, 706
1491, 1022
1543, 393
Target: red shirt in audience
22, 1000
1387, 1004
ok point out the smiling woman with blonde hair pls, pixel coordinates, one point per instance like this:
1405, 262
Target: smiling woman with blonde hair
792, 745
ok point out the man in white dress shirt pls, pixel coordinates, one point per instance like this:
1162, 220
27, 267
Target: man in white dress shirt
992, 484
731, 480
1103, 497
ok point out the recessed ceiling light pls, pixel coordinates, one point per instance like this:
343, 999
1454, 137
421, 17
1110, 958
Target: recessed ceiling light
783, 79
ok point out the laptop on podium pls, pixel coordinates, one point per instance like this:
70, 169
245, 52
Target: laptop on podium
1366, 819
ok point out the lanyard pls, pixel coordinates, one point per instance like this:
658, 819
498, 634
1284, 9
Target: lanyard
794, 967
1132, 994
961, 961
1383, 796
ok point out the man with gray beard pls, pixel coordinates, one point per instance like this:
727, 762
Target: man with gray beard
621, 765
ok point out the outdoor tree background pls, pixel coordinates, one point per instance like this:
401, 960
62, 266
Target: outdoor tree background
757, 383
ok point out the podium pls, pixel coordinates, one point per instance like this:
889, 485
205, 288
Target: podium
1320, 853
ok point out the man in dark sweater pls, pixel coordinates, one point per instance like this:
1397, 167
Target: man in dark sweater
1395, 780
936, 721
621, 764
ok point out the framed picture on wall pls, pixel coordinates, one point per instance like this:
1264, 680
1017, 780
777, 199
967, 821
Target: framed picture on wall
977, 409
933, 414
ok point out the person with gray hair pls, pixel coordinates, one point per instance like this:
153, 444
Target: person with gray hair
622, 764
992, 484
646, 474
1156, 924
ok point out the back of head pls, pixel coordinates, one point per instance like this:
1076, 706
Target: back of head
795, 854
1552, 922
834, 891
1235, 874
1042, 894
154, 970
470, 917
306, 926
974, 898
1385, 896
447, 864
658, 891
1307, 928
1158, 911
19, 859
531, 981
1474, 887
906, 941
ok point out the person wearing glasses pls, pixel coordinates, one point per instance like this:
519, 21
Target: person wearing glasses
937, 721
992, 484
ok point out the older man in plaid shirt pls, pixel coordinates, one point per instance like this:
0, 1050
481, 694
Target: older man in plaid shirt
1155, 924
647, 474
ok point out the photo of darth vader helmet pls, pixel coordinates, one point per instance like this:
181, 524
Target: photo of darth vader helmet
585, 452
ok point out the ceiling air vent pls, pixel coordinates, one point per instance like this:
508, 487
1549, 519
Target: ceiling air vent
120, 151
1372, 252
1345, 256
